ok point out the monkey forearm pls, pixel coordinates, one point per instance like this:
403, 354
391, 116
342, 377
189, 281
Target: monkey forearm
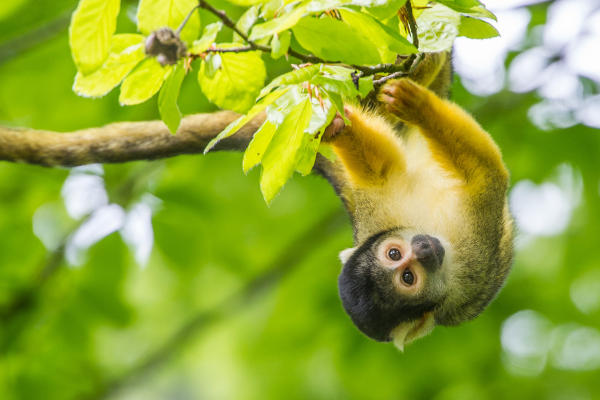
368, 148
121, 142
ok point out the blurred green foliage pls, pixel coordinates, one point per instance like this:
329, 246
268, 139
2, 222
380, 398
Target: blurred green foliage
105, 329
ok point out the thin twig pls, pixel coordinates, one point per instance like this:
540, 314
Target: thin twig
289, 258
222, 15
185, 21
412, 23
231, 50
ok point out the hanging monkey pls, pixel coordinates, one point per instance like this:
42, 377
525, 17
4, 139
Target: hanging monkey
425, 188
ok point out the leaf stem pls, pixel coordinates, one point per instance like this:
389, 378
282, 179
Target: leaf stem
187, 18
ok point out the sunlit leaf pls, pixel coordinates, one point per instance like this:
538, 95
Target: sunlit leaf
245, 22
387, 10
471, 7
127, 50
246, 2
280, 159
233, 127
92, 25
143, 82
389, 43
280, 44
270, 8
334, 40
155, 14
279, 24
258, 145
237, 82
326, 150
290, 78
167, 98
322, 113
438, 27
476, 28
208, 38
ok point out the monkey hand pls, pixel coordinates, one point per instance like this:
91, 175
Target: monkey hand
334, 128
405, 99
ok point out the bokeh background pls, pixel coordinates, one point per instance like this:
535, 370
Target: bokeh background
173, 280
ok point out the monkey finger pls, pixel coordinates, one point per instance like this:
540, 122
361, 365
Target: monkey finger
335, 127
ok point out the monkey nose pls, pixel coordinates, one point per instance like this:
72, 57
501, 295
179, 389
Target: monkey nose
428, 250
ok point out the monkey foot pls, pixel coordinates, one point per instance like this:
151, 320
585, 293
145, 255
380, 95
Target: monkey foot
404, 98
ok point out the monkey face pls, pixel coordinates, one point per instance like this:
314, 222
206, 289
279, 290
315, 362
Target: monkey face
391, 284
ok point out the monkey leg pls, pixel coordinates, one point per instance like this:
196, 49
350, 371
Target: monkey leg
456, 139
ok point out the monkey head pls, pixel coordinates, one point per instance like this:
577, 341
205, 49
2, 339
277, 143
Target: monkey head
397, 285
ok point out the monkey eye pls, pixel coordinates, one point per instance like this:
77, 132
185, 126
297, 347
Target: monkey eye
408, 277
394, 254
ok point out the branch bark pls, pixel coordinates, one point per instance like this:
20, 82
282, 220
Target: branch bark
121, 142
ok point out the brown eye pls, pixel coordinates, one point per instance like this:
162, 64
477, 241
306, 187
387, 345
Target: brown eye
394, 254
408, 277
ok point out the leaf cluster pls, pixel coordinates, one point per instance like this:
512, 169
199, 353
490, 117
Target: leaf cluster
344, 44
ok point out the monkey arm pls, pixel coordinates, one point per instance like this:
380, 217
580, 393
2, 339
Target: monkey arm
457, 140
368, 149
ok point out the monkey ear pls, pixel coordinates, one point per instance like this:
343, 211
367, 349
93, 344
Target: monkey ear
410, 331
346, 254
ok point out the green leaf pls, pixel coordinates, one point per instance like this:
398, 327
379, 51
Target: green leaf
279, 24
246, 2
322, 114
326, 150
280, 159
208, 38
471, 7
212, 64
92, 25
245, 23
338, 102
167, 98
337, 79
389, 43
365, 86
476, 28
438, 27
270, 8
293, 77
307, 153
387, 10
143, 82
155, 14
280, 44
258, 145
281, 107
127, 50
236, 84
317, 6
334, 40
234, 126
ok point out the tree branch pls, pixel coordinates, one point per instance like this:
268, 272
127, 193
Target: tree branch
121, 142
289, 258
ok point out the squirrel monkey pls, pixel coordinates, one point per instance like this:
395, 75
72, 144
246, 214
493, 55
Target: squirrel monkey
432, 230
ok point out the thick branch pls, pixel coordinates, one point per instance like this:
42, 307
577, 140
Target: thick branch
121, 142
